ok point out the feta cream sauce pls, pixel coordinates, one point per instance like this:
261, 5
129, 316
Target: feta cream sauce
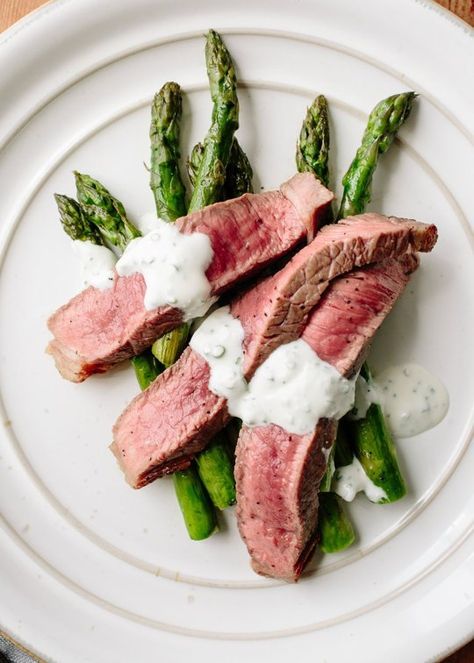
351, 479
97, 264
173, 266
412, 399
292, 388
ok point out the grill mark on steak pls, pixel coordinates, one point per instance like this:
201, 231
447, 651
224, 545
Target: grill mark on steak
169, 435
99, 328
280, 544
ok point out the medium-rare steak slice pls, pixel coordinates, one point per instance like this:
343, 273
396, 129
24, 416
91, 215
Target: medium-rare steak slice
99, 328
278, 473
280, 305
166, 425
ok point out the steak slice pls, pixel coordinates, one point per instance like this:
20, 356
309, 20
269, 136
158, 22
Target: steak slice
278, 473
99, 328
170, 429
276, 310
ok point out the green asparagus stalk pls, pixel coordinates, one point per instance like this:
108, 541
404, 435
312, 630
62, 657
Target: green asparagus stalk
211, 174
194, 162
105, 212
371, 440
373, 446
312, 154
336, 532
312, 148
211, 161
239, 174
198, 512
335, 529
382, 126
210, 464
74, 222
168, 347
165, 179
170, 201
213, 464
168, 191
146, 368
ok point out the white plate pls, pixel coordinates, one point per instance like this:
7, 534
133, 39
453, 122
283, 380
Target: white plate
93, 571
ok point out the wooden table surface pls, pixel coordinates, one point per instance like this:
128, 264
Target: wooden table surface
12, 10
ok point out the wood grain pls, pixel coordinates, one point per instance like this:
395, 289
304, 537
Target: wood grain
12, 10
463, 8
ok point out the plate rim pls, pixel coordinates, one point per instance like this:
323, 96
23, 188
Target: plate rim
55, 5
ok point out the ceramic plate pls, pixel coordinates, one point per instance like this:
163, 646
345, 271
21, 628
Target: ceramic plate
94, 571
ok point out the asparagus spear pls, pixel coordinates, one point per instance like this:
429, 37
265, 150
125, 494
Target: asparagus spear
168, 191
104, 211
146, 368
168, 347
335, 529
165, 179
238, 179
213, 464
194, 162
336, 532
215, 469
210, 177
198, 512
239, 173
382, 126
312, 153
373, 445
211, 162
312, 149
74, 222
209, 165
371, 440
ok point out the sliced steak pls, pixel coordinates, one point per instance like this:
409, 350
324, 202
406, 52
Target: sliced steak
272, 313
278, 473
276, 310
99, 328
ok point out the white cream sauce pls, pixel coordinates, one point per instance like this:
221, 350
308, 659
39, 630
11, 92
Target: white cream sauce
97, 264
173, 266
293, 388
351, 479
148, 222
413, 400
